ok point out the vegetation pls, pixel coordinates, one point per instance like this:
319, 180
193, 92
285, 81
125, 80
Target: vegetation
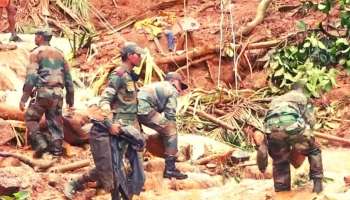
21, 195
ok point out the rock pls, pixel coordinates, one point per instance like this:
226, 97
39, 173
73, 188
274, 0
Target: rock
155, 165
347, 180
16, 60
154, 181
9, 162
195, 181
13, 179
53, 179
6, 130
252, 172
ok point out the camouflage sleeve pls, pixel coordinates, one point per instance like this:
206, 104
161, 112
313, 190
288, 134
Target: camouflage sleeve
68, 83
109, 93
31, 77
170, 107
309, 115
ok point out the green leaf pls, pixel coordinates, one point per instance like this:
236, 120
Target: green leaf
6, 198
341, 41
301, 25
279, 72
306, 45
21, 195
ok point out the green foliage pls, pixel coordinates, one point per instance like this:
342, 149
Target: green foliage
309, 62
325, 6
21, 195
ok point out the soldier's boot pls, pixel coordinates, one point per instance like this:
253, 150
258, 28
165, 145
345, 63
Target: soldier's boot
170, 170
56, 147
15, 38
39, 144
318, 186
72, 187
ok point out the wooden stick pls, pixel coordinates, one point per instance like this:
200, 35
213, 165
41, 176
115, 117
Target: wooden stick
71, 166
10, 112
36, 164
214, 157
208, 57
332, 138
213, 119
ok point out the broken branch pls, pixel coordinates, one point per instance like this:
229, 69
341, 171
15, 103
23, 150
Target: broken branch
229, 127
36, 164
214, 157
70, 167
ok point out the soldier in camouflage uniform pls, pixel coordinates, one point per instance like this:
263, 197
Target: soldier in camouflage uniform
288, 126
157, 110
118, 103
47, 75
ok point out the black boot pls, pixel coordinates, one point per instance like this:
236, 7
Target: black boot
72, 187
15, 38
56, 148
318, 186
170, 169
38, 143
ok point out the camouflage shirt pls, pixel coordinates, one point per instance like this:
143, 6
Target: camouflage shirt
120, 94
48, 72
298, 100
160, 96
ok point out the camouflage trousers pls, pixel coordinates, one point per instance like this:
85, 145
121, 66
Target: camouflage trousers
166, 128
280, 151
52, 108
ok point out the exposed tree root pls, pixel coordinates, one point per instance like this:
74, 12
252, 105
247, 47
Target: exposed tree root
260, 14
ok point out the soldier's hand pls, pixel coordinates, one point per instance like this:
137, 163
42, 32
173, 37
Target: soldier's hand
115, 129
22, 106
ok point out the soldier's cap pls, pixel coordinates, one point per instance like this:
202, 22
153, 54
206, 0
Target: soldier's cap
131, 48
176, 76
45, 33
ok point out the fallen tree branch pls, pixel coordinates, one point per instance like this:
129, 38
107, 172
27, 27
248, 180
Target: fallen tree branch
203, 51
214, 157
260, 14
35, 164
208, 57
70, 167
332, 138
229, 127
10, 112
213, 119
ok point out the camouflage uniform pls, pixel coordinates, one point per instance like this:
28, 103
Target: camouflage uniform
154, 99
157, 110
47, 75
119, 99
284, 133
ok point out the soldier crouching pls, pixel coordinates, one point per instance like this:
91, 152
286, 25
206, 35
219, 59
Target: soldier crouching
288, 128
